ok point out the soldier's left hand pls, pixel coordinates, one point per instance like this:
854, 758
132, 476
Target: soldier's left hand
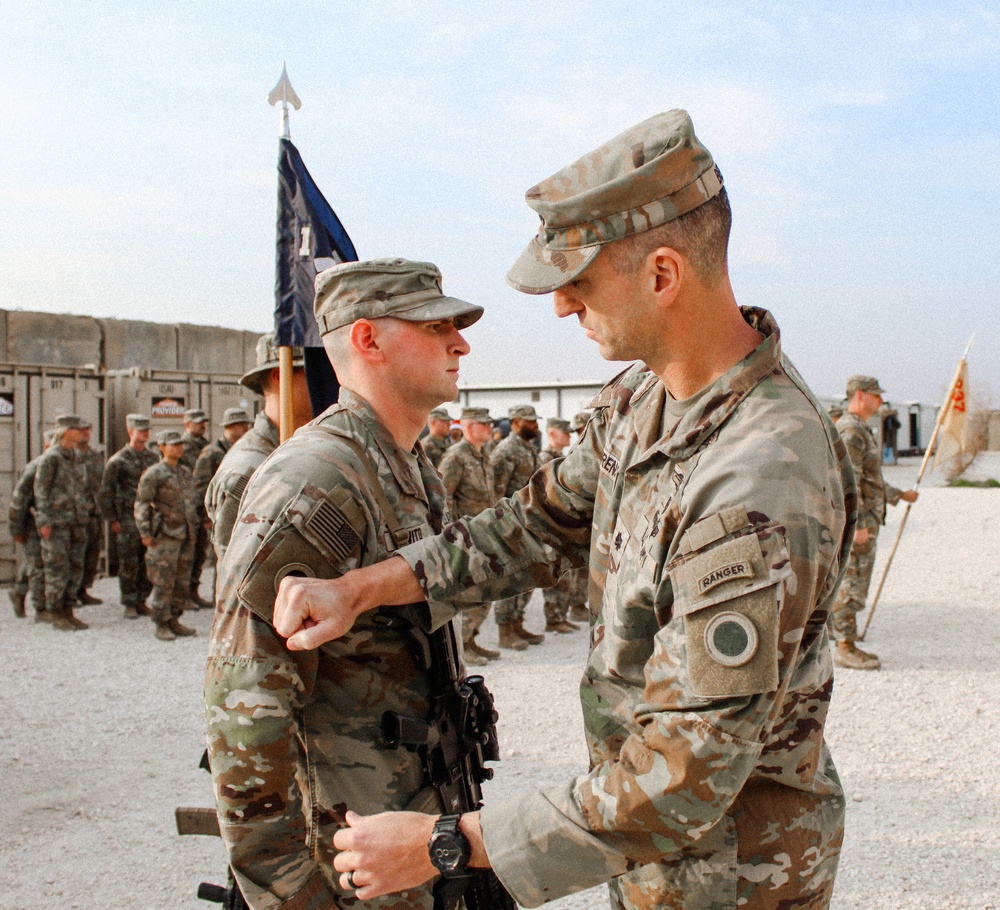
909, 496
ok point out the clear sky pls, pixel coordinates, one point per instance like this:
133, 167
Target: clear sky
859, 142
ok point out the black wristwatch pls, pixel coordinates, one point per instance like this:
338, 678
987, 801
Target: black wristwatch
449, 849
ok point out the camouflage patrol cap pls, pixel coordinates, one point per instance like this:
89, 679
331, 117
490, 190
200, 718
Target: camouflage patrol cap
136, 422
557, 423
50, 436
71, 422
267, 360
195, 415
479, 415
522, 412
169, 438
858, 383
234, 415
580, 421
386, 287
649, 175
440, 414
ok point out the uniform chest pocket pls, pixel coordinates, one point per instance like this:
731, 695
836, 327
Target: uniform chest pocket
728, 598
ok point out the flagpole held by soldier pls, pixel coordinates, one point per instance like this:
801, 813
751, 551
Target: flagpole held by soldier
954, 410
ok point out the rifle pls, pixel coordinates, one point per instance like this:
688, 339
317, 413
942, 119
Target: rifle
454, 744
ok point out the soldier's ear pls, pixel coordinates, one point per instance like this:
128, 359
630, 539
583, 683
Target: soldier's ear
366, 340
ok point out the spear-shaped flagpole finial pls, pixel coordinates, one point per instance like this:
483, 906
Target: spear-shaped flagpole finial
284, 93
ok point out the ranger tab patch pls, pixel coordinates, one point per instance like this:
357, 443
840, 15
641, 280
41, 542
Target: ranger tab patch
718, 575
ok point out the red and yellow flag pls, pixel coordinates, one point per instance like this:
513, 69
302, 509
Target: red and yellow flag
951, 437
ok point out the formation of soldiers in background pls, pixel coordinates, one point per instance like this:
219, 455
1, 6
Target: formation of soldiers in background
162, 502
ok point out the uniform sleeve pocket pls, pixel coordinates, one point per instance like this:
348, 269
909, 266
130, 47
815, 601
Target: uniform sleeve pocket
728, 597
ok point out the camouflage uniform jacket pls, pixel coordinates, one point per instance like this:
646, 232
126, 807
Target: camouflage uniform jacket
547, 455
120, 483
93, 468
435, 448
866, 458
192, 449
468, 480
62, 495
225, 489
22, 501
514, 461
205, 467
294, 739
718, 530
166, 503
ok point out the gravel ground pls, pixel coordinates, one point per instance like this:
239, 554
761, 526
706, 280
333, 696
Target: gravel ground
100, 736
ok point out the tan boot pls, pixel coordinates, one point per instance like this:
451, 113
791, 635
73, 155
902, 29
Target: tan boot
76, 623
472, 659
509, 637
143, 610
178, 628
131, 613
17, 599
848, 656
43, 616
88, 599
579, 613
562, 626
163, 633
61, 622
488, 653
530, 637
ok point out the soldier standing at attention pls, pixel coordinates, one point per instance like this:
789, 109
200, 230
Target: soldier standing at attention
718, 505
117, 499
864, 399
437, 440
469, 483
92, 461
166, 516
560, 597
292, 744
225, 489
29, 579
514, 460
63, 507
195, 442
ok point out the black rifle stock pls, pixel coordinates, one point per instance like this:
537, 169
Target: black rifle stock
454, 743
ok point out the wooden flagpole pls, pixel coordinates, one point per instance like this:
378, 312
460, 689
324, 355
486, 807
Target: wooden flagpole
923, 467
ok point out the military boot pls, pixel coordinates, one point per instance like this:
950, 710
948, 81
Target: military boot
197, 602
17, 599
87, 599
563, 626
530, 637
472, 659
853, 658
60, 621
488, 653
163, 633
180, 629
131, 612
76, 623
579, 613
43, 615
509, 637
143, 610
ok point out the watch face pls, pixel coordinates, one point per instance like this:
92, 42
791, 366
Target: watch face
446, 853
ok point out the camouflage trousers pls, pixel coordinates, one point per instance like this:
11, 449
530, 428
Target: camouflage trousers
92, 554
853, 593
569, 592
472, 620
29, 580
198, 557
62, 556
133, 582
168, 564
511, 609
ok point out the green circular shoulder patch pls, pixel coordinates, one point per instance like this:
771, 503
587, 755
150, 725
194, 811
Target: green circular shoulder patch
731, 639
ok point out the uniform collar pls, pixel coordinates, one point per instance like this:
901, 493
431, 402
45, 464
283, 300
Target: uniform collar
710, 407
267, 428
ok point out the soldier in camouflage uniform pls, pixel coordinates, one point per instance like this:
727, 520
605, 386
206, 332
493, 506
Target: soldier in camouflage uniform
437, 440
468, 480
117, 499
195, 442
559, 598
864, 399
167, 518
514, 460
718, 506
225, 489
63, 507
579, 611
93, 466
29, 579
294, 744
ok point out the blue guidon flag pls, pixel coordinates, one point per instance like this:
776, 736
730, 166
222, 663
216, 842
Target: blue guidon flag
310, 239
